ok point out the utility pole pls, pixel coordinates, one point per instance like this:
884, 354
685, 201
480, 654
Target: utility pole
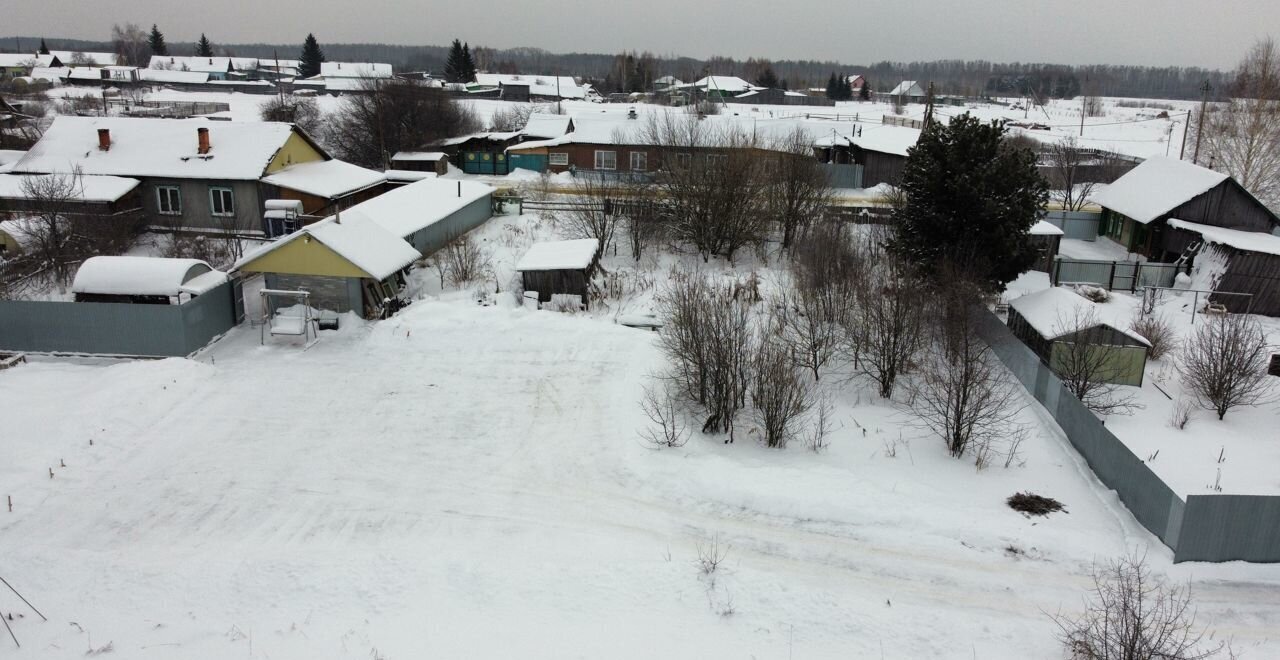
1204, 101
1084, 104
928, 107
1186, 128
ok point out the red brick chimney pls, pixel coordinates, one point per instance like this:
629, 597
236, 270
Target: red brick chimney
202, 134
104, 139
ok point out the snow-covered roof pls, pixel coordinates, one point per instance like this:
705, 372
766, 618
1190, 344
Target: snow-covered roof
408, 175
907, 88
1156, 187
576, 254
190, 63
539, 85
10, 157
88, 188
18, 60
170, 76
367, 246
883, 138
157, 148
1248, 241
1045, 228
1050, 313
544, 125
411, 208
94, 59
727, 84
145, 276
355, 70
498, 136
325, 178
51, 73
419, 155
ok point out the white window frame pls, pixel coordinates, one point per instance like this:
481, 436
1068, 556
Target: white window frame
612, 155
560, 158
165, 191
642, 158
231, 194
714, 160
684, 160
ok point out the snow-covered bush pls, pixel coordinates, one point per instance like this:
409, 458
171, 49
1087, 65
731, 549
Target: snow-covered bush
1093, 293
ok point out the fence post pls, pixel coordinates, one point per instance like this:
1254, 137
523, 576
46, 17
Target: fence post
1111, 281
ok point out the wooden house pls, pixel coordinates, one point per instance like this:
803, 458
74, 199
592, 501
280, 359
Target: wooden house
879, 149
907, 91
557, 268
1137, 206
1046, 322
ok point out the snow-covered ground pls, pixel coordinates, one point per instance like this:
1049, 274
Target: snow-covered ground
466, 480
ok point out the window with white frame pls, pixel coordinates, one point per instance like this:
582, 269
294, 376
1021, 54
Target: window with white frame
639, 161
222, 201
606, 160
684, 160
717, 160
169, 200
558, 158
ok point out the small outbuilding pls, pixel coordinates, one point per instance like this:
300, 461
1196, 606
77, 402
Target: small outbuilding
347, 265
1046, 237
144, 280
1046, 322
555, 268
421, 161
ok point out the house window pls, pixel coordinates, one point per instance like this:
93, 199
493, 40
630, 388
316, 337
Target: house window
683, 161
558, 158
222, 201
716, 160
169, 200
639, 161
606, 160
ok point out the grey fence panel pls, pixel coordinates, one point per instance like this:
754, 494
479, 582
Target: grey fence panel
1161, 275
843, 176
208, 316
1230, 527
103, 328
1076, 271
1079, 225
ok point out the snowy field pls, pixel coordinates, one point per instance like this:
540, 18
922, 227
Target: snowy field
466, 480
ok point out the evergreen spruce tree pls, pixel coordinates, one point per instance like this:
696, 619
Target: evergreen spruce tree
767, 78
204, 48
156, 41
846, 89
311, 59
469, 70
865, 92
832, 92
979, 221
44, 50
455, 67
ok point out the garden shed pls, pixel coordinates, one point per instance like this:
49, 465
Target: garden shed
1046, 322
347, 265
1046, 237
559, 268
144, 280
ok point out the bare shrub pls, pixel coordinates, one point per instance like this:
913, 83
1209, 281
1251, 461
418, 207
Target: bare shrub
821, 427
664, 411
511, 117
1086, 366
1034, 505
302, 111
708, 336
1224, 364
462, 260
798, 189
780, 394
1158, 332
1132, 615
595, 216
1181, 414
711, 554
805, 327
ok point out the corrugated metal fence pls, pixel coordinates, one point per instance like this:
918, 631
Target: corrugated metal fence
843, 176
1115, 275
1203, 528
116, 328
1079, 225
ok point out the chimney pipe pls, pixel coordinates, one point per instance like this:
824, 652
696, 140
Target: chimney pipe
202, 135
104, 139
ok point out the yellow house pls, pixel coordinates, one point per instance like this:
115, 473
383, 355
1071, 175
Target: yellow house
346, 266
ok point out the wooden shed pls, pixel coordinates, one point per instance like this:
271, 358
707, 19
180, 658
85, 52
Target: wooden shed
1046, 237
1232, 261
1044, 321
421, 161
560, 268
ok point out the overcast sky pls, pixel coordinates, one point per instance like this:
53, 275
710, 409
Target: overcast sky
1149, 32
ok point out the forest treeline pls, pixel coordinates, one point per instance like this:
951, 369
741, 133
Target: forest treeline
960, 77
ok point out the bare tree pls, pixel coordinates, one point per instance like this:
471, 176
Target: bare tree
890, 323
1085, 363
780, 394
130, 44
1224, 364
711, 180
302, 111
1069, 176
809, 328
1241, 135
60, 230
595, 218
511, 117
395, 115
1131, 614
963, 395
797, 187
